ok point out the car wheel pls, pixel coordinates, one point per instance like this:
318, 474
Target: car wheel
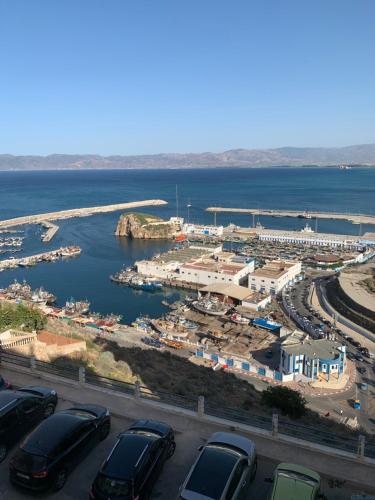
104, 430
49, 410
3, 452
172, 449
60, 479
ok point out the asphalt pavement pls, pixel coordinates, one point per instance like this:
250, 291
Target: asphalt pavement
166, 488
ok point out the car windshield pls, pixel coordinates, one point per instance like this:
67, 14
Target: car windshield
212, 471
114, 487
298, 477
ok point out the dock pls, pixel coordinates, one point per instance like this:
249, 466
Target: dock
78, 212
32, 260
305, 214
51, 231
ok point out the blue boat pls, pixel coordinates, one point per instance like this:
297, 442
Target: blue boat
147, 286
267, 324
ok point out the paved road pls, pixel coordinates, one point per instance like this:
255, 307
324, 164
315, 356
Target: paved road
341, 401
174, 472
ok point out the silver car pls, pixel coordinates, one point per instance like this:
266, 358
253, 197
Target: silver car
224, 469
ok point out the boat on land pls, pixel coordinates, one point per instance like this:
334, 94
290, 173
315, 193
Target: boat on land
238, 319
209, 307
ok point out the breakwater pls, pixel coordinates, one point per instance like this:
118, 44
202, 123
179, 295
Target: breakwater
78, 212
354, 218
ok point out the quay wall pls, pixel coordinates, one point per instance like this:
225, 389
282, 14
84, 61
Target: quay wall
355, 218
77, 212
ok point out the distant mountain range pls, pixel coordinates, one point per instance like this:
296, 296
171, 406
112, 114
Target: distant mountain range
360, 155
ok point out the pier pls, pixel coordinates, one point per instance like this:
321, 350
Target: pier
306, 214
51, 231
78, 212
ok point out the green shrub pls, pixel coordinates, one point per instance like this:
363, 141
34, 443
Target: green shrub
289, 402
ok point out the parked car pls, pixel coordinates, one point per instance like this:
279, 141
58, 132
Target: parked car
4, 384
357, 344
22, 410
57, 445
295, 481
358, 357
224, 469
350, 356
361, 370
135, 461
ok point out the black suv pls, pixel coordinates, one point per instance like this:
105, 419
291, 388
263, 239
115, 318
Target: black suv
135, 461
57, 445
22, 410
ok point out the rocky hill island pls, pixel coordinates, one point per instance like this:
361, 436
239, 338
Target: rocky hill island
144, 226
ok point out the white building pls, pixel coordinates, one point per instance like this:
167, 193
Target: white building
205, 271
272, 277
203, 230
309, 237
201, 265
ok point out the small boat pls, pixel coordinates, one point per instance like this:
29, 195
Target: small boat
208, 307
238, 319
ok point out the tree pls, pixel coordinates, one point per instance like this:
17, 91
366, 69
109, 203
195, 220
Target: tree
289, 402
20, 316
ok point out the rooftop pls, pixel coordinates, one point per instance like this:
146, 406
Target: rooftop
319, 349
274, 269
54, 339
215, 267
233, 291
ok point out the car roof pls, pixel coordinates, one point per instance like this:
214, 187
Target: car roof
7, 400
233, 440
294, 482
49, 434
121, 462
211, 472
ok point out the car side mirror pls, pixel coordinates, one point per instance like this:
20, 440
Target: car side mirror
200, 448
268, 480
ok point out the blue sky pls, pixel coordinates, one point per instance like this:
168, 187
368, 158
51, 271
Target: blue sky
149, 76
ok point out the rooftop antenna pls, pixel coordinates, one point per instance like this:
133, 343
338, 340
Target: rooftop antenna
176, 200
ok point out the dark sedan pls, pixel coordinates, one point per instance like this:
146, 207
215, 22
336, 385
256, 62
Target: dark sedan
57, 445
4, 384
22, 410
135, 462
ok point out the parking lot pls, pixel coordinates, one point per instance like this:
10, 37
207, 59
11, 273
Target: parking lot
175, 470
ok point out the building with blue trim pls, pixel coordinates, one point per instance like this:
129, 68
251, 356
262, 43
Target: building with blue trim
315, 360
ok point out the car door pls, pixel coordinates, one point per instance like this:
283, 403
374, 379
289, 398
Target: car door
69, 452
149, 467
10, 427
30, 412
239, 482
